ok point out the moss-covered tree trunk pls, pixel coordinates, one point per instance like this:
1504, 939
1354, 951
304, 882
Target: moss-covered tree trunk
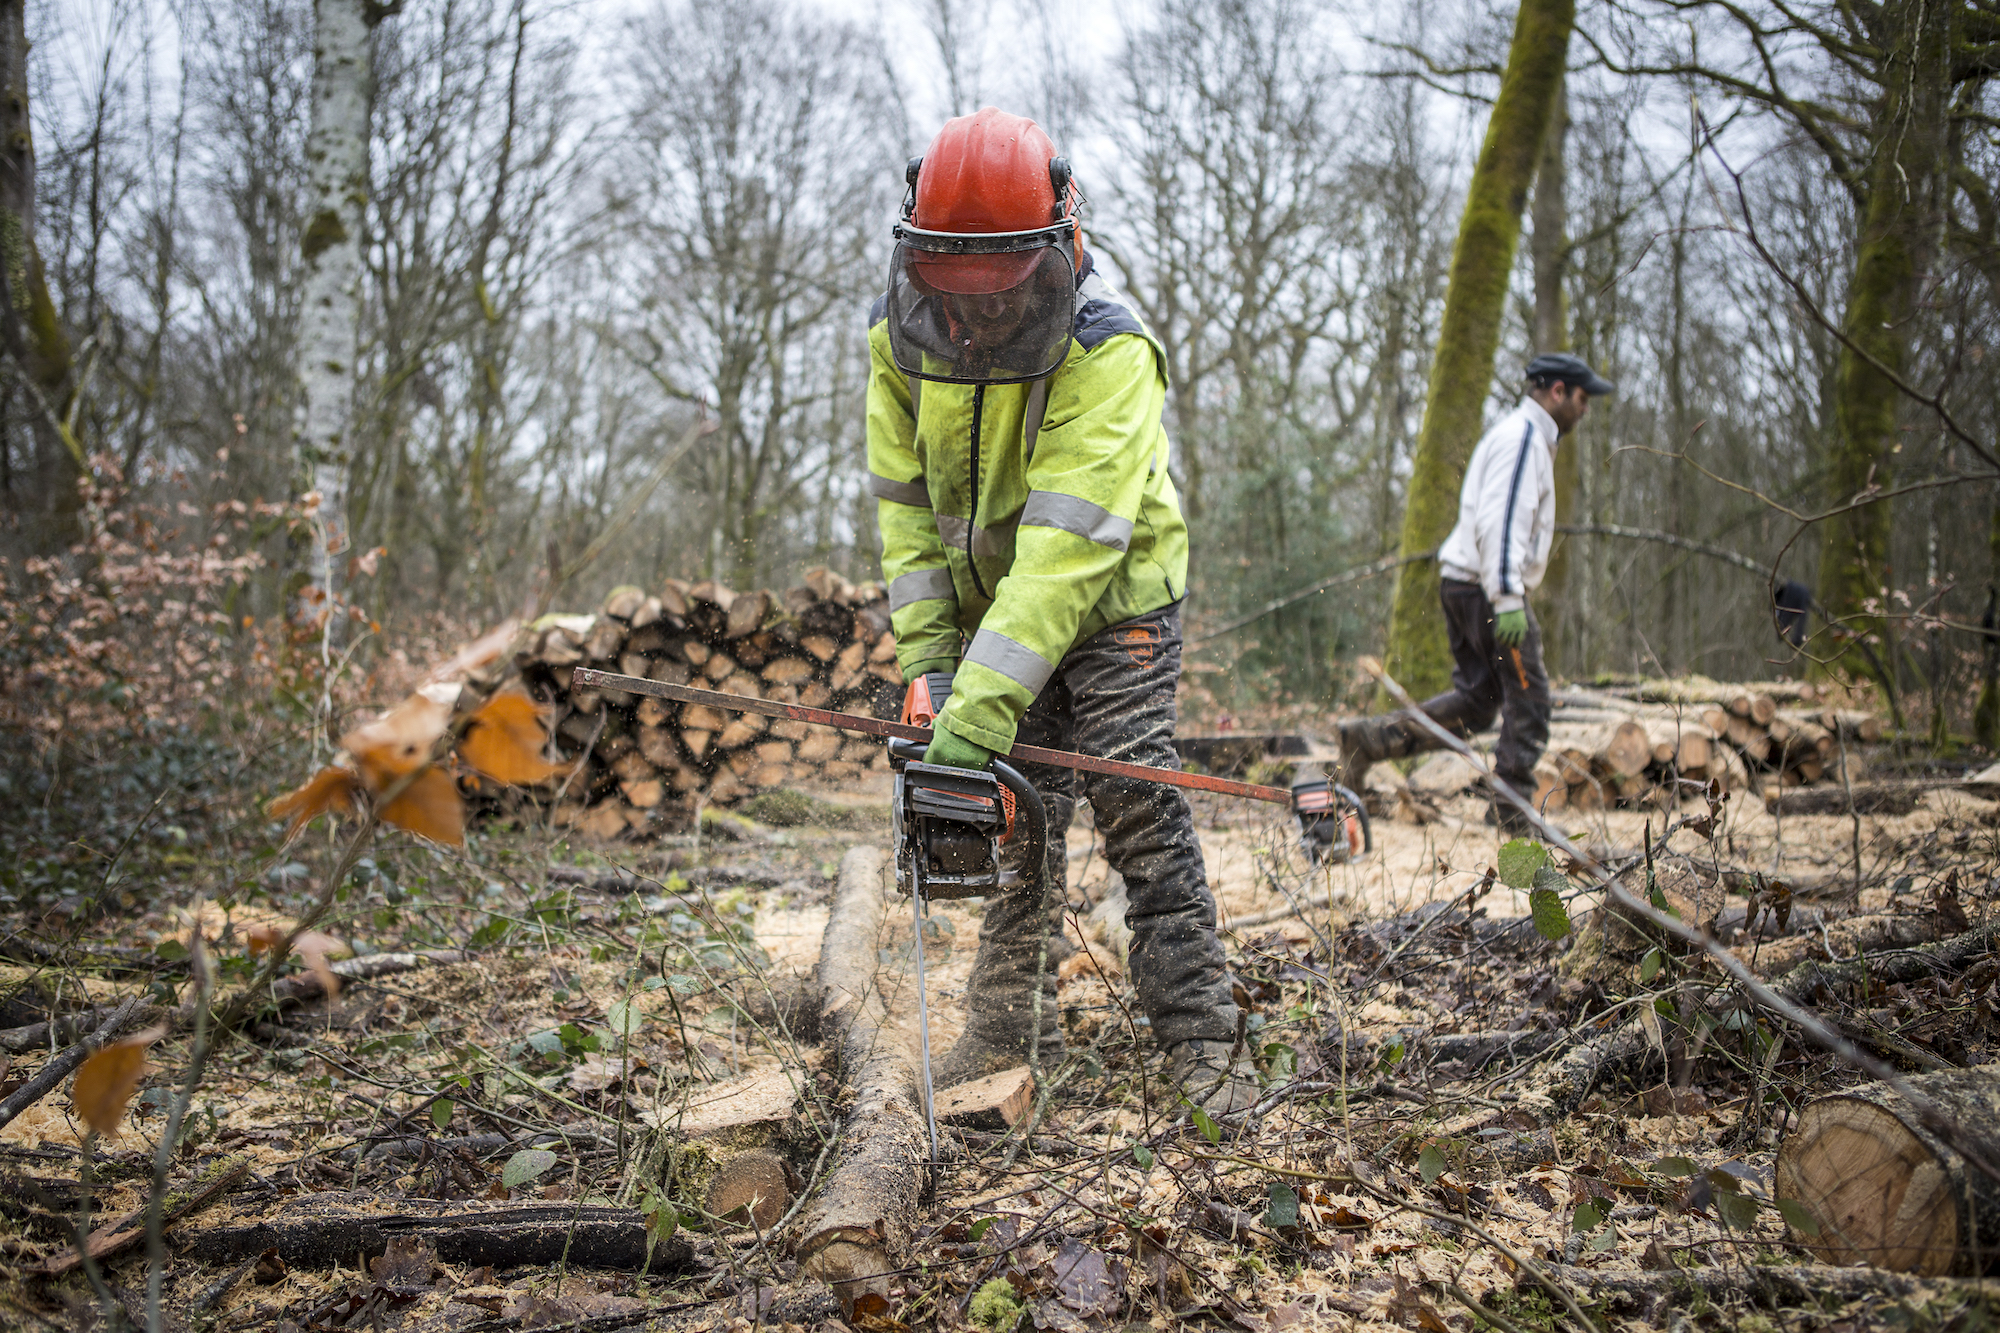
30, 332
330, 313
1899, 211
1986, 713
1469, 334
1549, 247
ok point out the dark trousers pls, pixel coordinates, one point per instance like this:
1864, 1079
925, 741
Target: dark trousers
1489, 677
1113, 696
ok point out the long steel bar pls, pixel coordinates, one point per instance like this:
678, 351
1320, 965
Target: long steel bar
874, 726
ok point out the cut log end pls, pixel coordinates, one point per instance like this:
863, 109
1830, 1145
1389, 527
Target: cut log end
750, 1188
1878, 1192
996, 1102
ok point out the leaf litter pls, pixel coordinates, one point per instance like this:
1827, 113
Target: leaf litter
1402, 1157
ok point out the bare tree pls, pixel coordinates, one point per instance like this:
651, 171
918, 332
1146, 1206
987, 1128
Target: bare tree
762, 170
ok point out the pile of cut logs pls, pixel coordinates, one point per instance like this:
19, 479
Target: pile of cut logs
825, 644
1606, 751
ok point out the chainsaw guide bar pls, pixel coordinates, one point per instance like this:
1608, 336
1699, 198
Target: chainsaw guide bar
821, 717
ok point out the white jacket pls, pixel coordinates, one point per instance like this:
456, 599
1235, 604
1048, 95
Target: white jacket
1506, 509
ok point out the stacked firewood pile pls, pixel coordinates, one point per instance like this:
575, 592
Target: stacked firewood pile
1605, 750
825, 644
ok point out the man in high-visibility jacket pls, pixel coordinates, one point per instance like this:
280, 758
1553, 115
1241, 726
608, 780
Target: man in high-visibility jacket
1033, 546
1492, 560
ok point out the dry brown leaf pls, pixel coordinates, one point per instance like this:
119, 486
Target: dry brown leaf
328, 789
407, 1262
430, 807
504, 741
109, 1078
397, 743
313, 948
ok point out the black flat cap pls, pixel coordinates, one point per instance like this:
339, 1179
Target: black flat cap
1570, 370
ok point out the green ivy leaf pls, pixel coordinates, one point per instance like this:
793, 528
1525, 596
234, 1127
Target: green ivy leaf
1588, 1217
623, 1019
1676, 1166
1650, 965
525, 1166
1283, 1212
1519, 860
1205, 1122
1738, 1212
1546, 904
1430, 1163
441, 1110
1140, 1154
1798, 1218
545, 1043
985, 1224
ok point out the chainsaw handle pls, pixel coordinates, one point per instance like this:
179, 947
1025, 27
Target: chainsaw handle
1027, 802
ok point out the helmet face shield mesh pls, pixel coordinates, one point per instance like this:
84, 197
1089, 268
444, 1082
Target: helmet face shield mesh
980, 309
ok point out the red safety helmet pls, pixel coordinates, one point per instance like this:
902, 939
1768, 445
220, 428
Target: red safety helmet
985, 173
982, 285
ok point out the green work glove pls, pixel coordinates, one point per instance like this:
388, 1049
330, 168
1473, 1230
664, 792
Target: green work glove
955, 751
1511, 627
948, 665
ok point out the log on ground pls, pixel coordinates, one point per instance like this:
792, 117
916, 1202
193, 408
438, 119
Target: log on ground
316, 1235
857, 1232
1888, 1189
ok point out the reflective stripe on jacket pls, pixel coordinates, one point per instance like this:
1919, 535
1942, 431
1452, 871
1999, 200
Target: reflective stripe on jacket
1081, 531
1506, 509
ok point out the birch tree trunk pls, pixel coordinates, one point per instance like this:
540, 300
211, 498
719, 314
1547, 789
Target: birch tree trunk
31, 335
1462, 369
330, 317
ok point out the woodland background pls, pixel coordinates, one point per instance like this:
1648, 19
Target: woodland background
587, 227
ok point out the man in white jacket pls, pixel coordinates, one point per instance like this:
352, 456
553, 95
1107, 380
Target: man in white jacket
1490, 563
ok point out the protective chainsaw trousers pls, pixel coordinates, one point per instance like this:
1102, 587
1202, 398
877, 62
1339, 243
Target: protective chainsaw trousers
1113, 696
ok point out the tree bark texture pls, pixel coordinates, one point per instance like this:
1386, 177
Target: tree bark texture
1550, 249
312, 1233
1462, 368
1986, 713
1888, 1190
857, 1232
1901, 205
330, 313
30, 333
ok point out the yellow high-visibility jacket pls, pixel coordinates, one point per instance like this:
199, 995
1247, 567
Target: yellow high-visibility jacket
1077, 526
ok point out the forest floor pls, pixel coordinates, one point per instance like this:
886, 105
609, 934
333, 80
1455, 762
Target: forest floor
1411, 1166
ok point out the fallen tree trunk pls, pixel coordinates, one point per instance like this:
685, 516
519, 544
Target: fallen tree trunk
60, 1067
1867, 798
129, 1230
1652, 1297
287, 992
1945, 958
1856, 935
854, 1235
1886, 1190
317, 1236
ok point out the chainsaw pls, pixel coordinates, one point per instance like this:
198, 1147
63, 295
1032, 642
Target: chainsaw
950, 824
1333, 821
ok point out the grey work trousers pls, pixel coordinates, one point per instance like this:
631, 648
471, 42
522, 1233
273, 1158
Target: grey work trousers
1113, 696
